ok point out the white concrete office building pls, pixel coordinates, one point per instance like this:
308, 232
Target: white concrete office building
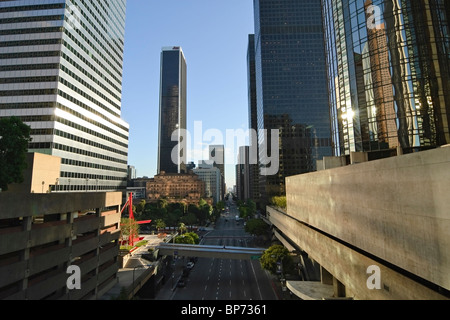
61, 65
211, 175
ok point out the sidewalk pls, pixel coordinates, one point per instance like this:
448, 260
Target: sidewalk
135, 268
167, 291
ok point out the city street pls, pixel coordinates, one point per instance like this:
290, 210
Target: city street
225, 279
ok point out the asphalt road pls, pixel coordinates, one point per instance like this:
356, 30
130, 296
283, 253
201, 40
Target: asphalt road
226, 279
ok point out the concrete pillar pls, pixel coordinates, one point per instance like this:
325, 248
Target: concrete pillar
358, 157
325, 276
339, 288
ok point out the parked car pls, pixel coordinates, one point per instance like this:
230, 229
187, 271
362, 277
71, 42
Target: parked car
190, 265
181, 283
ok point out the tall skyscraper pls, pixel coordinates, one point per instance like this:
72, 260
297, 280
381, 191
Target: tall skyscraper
172, 154
291, 86
61, 73
388, 75
252, 116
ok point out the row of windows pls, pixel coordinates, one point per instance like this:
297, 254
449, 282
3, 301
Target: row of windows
95, 177
53, 105
89, 131
93, 57
62, 147
33, 54
84, 94
29, 79
86, 61
42, 118
38, 54
78, 163
90, 75
25, 67
105, 31
94, 79
48, 6
31, 19
26, 43
36, 92
88, 142
87, 188
88, 30
31, 30
86, 107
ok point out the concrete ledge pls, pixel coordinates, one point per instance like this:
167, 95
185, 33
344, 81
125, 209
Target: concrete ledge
310, 290
396, 209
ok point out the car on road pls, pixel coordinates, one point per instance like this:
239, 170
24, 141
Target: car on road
181, 283
190, 265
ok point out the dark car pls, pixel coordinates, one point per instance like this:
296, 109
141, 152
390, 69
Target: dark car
181, 283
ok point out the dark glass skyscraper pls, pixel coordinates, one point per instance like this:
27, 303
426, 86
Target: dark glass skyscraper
252, 114
172, 154
388, 74
291, 86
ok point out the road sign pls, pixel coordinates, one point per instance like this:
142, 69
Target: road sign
255, 257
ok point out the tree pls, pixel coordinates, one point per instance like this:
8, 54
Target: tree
185, 239
160, 224
129, 228
14, 139
277, 259
182, 227
257, 227
188, 238
279, 202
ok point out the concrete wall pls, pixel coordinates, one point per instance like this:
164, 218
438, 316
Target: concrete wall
349, 266
34, 255
42, 172
396, 209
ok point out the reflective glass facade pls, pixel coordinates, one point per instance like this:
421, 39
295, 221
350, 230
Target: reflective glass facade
173, 100
388, 74
291, 86
61, 73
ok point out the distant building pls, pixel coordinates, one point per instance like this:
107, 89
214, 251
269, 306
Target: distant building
172, 111
213, 180
131, 172
243, 174
176, 187
42, 233
217, 159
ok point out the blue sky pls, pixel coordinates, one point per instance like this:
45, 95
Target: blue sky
214, 38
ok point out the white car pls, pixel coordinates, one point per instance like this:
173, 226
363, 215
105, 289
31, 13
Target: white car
190, 265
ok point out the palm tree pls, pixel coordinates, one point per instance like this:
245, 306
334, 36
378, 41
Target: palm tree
182, 227
160, 224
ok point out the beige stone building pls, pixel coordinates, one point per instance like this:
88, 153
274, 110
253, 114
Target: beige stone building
175, 187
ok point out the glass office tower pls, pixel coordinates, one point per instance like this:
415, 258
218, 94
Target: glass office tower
291, 86
388, 74
61, 73
252, 114
172, 153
